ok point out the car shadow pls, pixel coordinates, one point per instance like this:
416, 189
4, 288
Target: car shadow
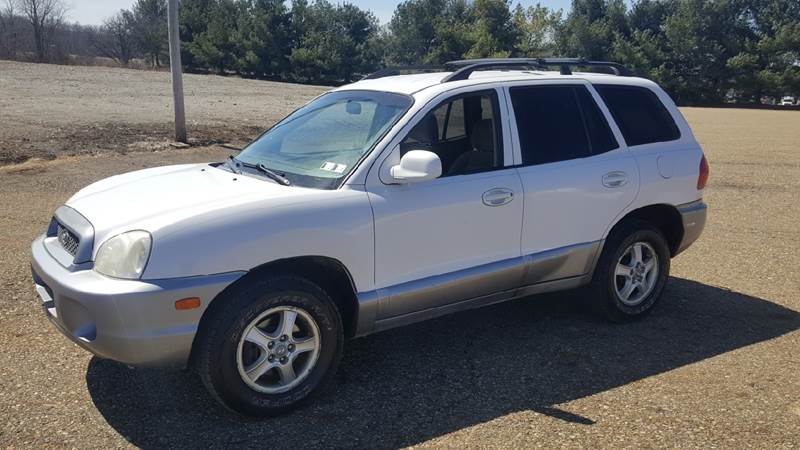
415, 383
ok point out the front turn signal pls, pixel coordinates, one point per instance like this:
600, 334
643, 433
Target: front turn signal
187, 303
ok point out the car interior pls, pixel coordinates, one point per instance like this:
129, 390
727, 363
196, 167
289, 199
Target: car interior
462, 132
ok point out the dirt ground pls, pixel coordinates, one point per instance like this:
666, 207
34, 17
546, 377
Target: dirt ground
49, 110
717, 364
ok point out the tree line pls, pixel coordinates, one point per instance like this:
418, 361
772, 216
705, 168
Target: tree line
701, 51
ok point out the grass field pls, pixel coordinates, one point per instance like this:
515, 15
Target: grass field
715, 366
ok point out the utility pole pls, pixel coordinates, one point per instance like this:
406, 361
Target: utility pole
175, 66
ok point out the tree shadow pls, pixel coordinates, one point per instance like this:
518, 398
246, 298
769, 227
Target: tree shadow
415, 383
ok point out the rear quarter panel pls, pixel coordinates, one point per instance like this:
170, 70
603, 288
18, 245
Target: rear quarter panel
668, 171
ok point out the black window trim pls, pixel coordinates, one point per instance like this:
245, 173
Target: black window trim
446, 121
608, 120
498, 126
583, 121
574, 87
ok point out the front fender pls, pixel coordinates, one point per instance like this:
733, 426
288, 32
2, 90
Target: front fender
336, 224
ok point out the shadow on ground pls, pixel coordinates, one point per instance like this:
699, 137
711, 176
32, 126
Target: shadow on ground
415, 383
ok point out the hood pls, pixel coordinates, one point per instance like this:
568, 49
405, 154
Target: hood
151, 198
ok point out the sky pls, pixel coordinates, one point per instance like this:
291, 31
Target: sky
92, 12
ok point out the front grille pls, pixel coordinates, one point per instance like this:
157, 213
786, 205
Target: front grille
67, 240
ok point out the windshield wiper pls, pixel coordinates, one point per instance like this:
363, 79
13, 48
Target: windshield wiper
275, 176
272, 174
231, 164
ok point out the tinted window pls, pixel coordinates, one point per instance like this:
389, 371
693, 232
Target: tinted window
464, 132
600, 136
549, 124
639, 113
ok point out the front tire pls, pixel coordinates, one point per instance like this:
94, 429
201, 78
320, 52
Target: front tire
271, 345
631, 272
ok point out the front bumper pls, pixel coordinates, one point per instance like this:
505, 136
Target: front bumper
130, 321
693, 216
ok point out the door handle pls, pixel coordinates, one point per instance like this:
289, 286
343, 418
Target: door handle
498, 197
615, 179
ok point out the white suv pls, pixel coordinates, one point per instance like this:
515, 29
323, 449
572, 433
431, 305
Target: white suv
388, 201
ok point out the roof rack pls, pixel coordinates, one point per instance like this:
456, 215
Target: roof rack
462, 69
465, 67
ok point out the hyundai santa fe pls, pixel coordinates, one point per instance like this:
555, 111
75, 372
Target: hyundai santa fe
398, 198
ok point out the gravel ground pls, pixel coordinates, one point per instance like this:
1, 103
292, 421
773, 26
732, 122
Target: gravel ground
717, 364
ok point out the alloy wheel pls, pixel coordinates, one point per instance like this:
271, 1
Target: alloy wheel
636, 273
278, 349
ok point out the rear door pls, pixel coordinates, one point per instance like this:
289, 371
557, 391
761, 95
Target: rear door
576, 172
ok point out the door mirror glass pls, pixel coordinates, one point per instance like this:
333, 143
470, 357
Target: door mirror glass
416, 166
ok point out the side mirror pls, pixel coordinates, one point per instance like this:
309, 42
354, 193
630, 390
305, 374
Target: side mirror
416, 166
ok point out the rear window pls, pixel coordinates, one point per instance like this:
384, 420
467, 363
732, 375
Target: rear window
639, 113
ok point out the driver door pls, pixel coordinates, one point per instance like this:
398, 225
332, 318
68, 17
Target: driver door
456, 237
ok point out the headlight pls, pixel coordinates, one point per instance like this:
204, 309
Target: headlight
124, 255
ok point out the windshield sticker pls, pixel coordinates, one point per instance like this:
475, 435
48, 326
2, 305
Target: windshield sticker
333, 167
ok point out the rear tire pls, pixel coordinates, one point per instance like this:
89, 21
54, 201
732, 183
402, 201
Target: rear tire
631, 272
270, 346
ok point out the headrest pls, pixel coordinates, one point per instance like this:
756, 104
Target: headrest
482, 138
426, 131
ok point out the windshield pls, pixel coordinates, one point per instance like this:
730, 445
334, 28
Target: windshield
320, 143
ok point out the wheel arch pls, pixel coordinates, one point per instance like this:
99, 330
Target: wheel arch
328, 273
665, 217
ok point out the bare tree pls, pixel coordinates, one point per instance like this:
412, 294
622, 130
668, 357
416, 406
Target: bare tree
8, 32
45, 17
116, 38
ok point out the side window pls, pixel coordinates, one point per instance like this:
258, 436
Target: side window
639, 113
549, 124
600, 136
465, 132
451, 120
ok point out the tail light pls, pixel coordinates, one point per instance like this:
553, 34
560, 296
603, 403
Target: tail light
702, 179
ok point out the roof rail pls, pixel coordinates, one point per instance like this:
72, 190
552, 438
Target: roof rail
462, 69
465, 67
